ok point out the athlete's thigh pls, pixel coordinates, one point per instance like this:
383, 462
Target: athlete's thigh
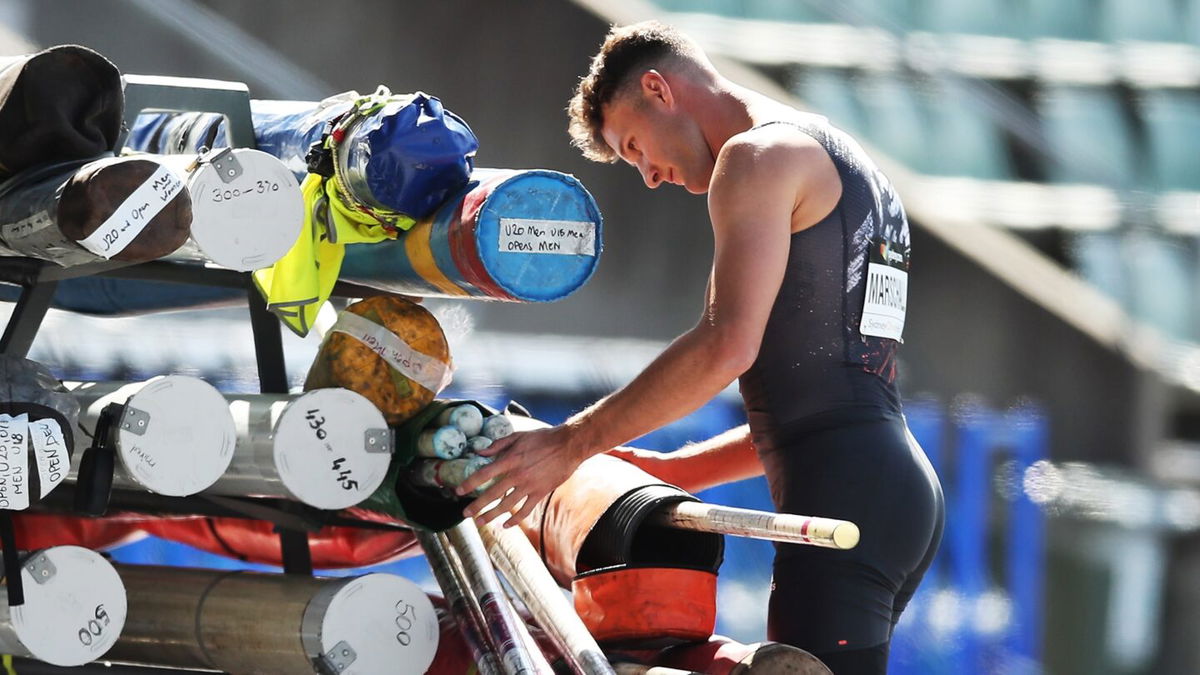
827, 607
868, 474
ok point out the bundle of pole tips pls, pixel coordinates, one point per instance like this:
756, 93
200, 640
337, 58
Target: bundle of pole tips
449, 447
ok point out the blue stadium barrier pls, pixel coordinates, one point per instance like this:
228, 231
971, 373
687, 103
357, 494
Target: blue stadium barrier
967, 618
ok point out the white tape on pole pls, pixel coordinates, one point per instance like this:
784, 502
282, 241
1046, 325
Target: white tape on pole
132, 216
50, 451
549, 237
14, 462
423, 369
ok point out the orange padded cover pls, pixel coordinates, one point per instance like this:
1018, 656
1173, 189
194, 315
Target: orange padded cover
630, 604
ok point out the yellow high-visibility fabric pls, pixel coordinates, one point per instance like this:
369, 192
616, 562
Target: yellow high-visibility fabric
301, 281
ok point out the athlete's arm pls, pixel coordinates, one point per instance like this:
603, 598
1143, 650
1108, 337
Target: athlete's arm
722, 459
754, 189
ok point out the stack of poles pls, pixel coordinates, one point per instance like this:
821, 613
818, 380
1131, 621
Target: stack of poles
514, 556
517, 236
278, 444
240, 209
458, 556
462, 601
512, 553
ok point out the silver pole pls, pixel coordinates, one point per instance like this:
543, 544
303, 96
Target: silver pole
276, 624
175, 436
543, 664
626, 668
75, 608
329, 448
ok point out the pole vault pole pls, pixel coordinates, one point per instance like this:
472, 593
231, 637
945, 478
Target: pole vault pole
783, 527
516, 558
465, 542
464, 607
541, 664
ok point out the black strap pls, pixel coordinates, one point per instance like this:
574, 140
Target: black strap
12, 561
260, 511
294, 551
94, 486
214, 128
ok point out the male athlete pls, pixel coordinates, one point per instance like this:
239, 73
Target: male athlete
805, 307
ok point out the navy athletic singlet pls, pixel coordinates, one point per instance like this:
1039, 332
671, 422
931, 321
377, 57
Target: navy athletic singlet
819, 356
826, 418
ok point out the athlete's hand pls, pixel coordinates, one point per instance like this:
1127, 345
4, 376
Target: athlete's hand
529, 465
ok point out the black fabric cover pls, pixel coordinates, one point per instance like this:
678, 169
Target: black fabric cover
63, 103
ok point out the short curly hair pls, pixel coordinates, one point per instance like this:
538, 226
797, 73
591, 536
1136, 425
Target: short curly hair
627, 51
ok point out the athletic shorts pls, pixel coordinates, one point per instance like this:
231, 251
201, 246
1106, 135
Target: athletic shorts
843, 605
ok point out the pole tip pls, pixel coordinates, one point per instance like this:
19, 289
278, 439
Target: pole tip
845, 536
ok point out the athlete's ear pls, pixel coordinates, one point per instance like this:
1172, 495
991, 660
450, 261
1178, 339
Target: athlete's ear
656, 88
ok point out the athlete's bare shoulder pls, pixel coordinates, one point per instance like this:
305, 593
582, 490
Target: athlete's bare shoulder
779, 157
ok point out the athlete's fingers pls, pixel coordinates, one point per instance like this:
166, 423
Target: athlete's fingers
491, 471
498, 446
507, 504
490, 495
524, 512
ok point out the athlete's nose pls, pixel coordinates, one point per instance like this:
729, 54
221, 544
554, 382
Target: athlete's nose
652, 177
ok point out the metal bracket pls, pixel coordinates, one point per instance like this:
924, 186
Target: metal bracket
227, 165
41, 568
135, 421
184, 94
340, 657
379, 440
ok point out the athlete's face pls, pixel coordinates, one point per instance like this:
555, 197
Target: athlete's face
649, 130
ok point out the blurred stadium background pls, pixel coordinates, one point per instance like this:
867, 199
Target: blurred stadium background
1049, 155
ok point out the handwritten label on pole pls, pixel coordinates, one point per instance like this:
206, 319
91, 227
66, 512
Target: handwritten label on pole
247, 188
14, 234
132, 216
50, 451
14, 462
423, 369
553, 237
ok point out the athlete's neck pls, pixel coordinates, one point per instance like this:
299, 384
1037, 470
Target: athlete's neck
728, 109
721, 109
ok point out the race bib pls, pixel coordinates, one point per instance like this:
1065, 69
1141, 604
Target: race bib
886, 292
